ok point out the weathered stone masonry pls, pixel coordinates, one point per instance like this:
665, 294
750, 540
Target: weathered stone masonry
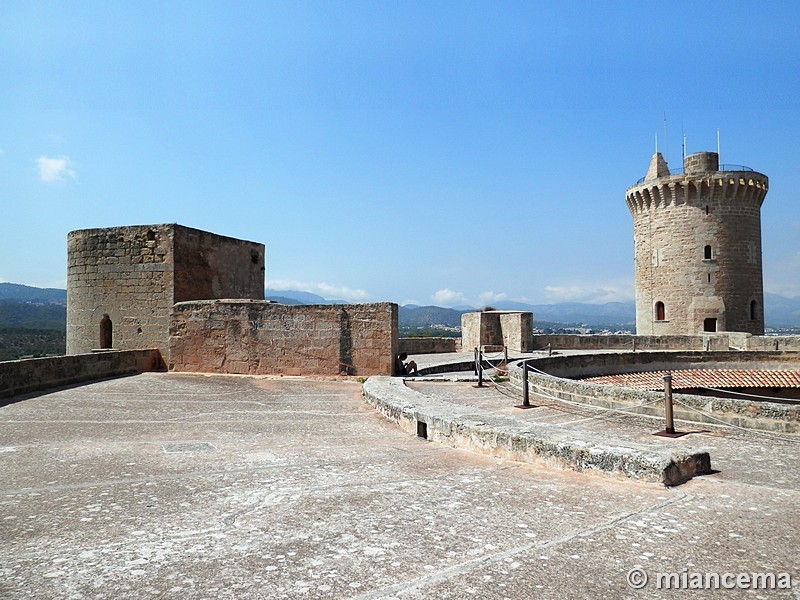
198, 298
135, 274
697, 238
251, 337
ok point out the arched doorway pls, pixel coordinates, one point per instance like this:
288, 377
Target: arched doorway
106, 330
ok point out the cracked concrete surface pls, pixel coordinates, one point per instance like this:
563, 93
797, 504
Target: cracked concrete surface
295, 488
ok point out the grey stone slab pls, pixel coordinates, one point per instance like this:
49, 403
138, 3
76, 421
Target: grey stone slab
312, 494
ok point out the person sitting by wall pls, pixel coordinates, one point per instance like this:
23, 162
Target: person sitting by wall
405, 368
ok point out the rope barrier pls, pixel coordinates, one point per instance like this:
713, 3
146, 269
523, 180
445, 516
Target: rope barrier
791, 400
716, 419
760, 432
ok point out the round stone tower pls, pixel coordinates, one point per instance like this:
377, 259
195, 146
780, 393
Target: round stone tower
697, 247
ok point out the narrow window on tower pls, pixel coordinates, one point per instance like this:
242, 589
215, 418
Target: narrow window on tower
706, 208
105, 332
709, 278
707, 252
753, 310
751, 253
660, 312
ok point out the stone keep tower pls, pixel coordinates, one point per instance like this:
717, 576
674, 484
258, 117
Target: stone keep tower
697, 247
122, 282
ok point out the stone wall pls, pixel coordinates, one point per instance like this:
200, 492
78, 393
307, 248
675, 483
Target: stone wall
210, 266
630, 342
125, 273
256, 337
551, 377
517, 330
513, 329
135, 274
429, 345
34, 374
609, 363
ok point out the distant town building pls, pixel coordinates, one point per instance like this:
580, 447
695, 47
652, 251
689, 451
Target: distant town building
697, 247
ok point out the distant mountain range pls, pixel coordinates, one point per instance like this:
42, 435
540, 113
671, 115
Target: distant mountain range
34, 295
44, 308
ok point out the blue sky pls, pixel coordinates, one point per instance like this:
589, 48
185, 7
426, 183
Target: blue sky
428, 152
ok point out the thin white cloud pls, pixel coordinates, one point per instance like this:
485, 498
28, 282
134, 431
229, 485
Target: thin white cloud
589, 293
327, 291
486, 298
55, 169
447, 297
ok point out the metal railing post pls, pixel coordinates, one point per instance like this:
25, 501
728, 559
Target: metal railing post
525, 397
670, 426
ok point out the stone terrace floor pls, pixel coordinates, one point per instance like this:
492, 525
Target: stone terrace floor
191, 486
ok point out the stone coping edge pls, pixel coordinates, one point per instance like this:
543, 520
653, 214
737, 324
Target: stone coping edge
481, 431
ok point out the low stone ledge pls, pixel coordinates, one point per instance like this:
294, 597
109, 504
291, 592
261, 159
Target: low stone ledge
34, 374
497, 435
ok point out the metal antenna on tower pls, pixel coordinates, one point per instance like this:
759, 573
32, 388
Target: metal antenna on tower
683, 145
666, 138
718, 158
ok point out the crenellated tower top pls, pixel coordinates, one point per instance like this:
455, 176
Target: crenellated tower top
701, 179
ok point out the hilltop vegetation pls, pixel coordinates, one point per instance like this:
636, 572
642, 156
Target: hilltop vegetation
33, 321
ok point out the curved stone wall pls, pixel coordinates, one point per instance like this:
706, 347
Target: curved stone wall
551, 377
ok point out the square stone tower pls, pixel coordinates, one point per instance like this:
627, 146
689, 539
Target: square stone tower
122, 282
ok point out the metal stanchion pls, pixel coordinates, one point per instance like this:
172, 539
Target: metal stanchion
669, 429
670, 426
526, 402
480, 368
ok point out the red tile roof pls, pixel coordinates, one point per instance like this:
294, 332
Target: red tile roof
703, 378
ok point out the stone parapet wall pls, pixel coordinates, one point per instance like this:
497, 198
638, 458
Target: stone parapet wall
763, 343
630, 342
609, 363
34, 374
263, 338
719, 342
550, 377
429, 345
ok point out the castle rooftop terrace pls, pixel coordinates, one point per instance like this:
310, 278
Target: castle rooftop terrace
195, 486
